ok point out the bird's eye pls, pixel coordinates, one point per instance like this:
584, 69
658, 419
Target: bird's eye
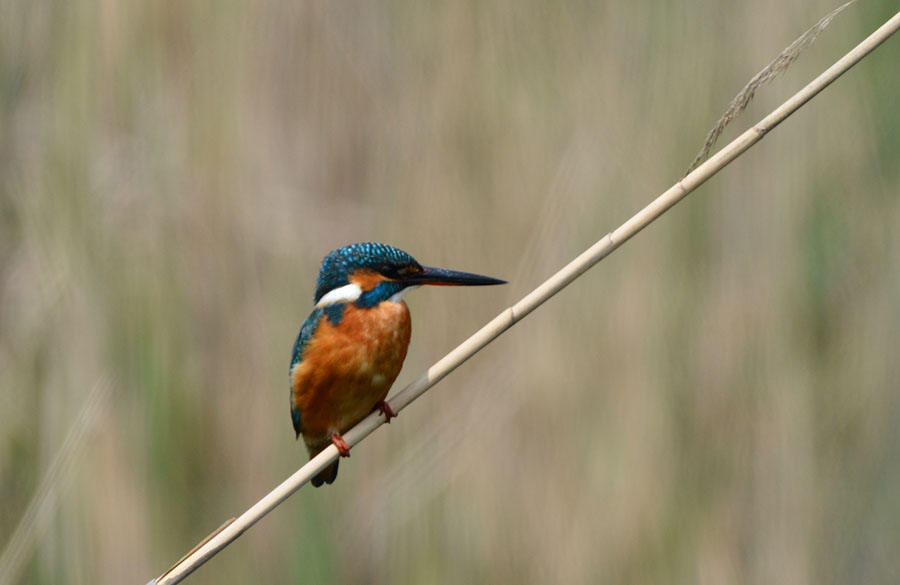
388, 270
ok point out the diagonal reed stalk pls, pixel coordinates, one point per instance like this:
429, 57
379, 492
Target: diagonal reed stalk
607, 244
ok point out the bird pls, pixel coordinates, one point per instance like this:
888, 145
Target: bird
351, 348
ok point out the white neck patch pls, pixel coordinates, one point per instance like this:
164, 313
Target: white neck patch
343, 294
398, 296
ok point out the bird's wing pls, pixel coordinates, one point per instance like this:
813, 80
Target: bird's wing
306, 332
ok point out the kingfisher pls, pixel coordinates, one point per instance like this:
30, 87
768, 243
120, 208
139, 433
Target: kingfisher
350, 349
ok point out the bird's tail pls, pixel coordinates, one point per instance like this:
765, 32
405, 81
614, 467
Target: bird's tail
327, 475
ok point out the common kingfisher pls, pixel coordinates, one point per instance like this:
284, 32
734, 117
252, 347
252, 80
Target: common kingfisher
351, 347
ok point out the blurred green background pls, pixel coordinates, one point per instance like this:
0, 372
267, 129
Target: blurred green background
718, 402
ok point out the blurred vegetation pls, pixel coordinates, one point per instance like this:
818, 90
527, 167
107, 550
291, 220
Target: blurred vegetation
716, 403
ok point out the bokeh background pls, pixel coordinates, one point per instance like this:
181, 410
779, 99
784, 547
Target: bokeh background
717, 402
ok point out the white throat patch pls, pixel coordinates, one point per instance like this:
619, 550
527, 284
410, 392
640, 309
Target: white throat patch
398, 296
343, 294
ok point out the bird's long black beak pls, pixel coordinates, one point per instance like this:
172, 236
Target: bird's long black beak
444, 277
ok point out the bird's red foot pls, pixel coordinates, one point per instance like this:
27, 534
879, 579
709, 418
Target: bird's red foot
342, 446
385, 409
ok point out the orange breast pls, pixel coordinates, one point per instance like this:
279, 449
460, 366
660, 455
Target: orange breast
348, 368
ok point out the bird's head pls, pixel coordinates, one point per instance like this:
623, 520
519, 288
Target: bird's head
370, 273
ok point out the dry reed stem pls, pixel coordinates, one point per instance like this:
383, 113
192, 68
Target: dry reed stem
228, 533
779, 65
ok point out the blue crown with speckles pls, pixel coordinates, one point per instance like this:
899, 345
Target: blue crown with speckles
339, 264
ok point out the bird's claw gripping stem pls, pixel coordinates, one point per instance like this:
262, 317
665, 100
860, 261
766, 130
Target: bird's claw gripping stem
342, 446
385, 409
